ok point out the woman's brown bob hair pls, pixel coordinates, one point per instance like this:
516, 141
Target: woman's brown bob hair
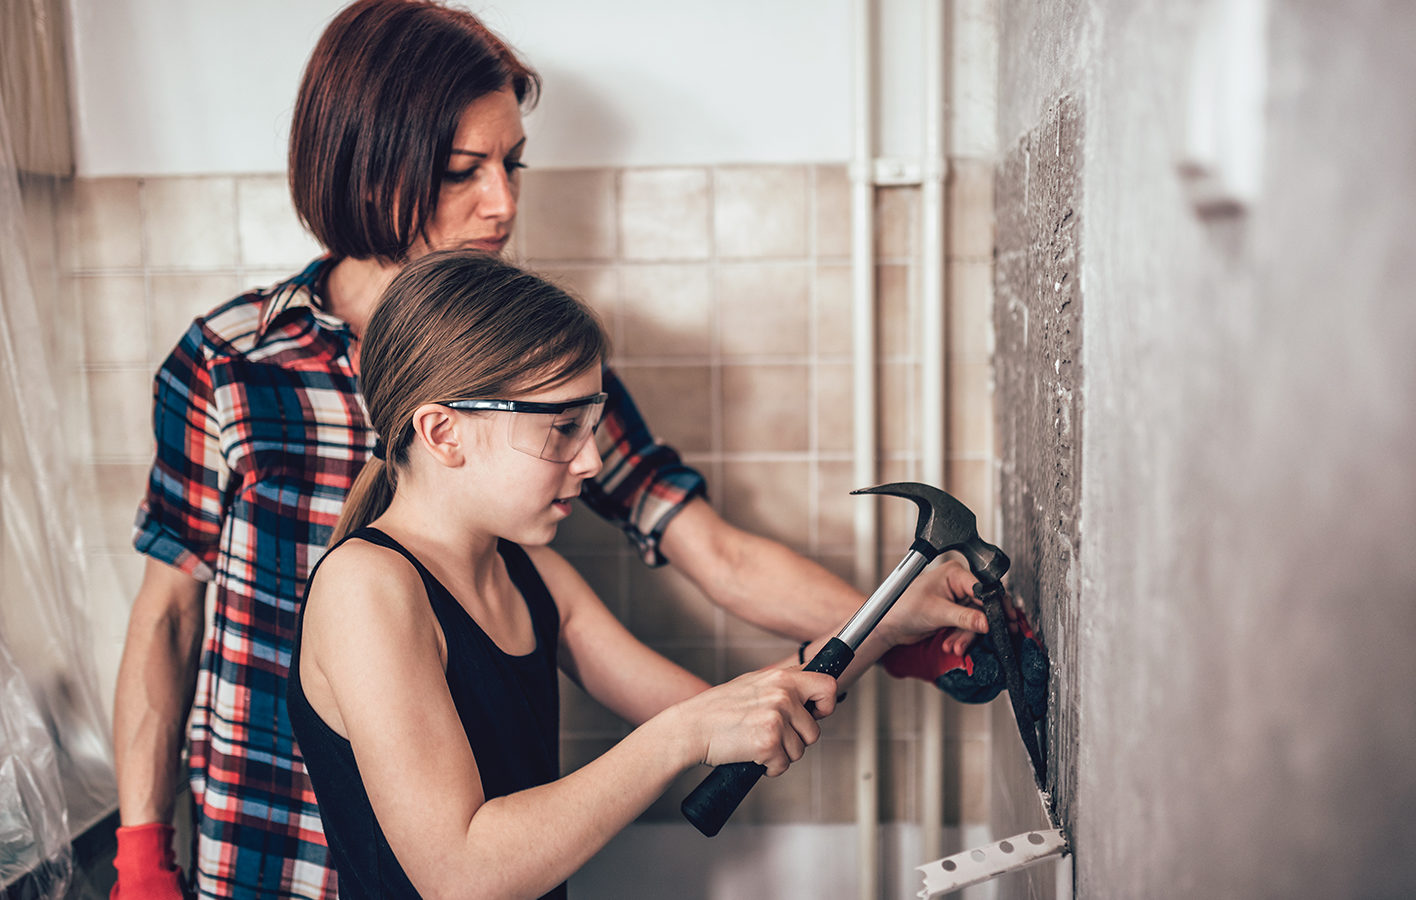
376, 115
454, 325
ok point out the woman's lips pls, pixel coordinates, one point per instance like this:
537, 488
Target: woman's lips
491, 244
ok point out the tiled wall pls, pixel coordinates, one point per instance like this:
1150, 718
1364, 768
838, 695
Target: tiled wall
727, 292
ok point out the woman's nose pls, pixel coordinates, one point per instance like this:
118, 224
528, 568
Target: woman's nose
499, 193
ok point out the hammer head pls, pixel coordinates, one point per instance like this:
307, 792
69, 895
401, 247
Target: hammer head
946, 524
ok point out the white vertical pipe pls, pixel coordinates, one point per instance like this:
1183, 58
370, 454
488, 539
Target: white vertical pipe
867, 564
933, 397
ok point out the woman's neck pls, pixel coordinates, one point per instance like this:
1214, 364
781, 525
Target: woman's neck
353, 287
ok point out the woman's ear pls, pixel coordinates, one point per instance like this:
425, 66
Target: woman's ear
435, 427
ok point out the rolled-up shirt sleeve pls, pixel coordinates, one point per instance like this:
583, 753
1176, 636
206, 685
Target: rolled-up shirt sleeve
180, 518
643, 483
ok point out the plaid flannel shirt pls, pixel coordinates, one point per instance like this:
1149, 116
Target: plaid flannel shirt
260, 434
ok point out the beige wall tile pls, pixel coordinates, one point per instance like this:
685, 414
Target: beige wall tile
760, 211
833, 211
113, 318
835, 407
582, 716
763, 309
970, 208
966, 781
834, 324
898, 517
568, 214
676, 403
899, 407
750, 648
113, 580
269, 231
664, 214
105, 230
120, 414
585, 532
666, 311
765, 407
967, 719
969, 482
665, 605
836, 766
899, 763
970, 409
900, 697
190, 223
896, 221
899, 326
603, 571
970, 309
107, 516
835, 506
768, 498
598, 286
176, 299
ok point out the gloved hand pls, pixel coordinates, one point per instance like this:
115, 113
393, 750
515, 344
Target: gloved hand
147, 867
976, 676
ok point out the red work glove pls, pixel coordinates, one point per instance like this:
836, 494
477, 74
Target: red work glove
147, 867
975, 676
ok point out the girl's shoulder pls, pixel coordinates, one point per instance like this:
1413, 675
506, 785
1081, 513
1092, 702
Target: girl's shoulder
367, 585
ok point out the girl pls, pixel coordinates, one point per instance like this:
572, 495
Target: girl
422, 686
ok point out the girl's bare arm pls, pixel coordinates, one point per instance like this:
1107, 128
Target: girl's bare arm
372, 667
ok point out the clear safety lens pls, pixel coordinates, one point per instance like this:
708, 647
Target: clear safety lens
557, 437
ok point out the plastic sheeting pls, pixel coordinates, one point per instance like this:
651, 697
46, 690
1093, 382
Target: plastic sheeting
56, 774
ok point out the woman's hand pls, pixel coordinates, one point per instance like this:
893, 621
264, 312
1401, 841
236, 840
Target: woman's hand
759, 717
941, 597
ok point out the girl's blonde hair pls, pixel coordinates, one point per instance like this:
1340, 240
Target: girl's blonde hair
459, 324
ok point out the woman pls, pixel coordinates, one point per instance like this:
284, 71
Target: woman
406, 138
439, 612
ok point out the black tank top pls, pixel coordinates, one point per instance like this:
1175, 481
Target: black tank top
509, 706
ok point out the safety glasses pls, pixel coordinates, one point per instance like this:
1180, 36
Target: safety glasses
551, 431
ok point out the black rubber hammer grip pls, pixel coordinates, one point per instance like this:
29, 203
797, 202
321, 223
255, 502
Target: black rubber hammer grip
710, 804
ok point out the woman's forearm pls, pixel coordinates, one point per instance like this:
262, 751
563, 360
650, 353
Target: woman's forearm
156, 680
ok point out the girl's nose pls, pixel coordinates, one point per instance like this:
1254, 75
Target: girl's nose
587, 462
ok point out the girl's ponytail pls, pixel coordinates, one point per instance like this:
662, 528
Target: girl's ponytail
368, 498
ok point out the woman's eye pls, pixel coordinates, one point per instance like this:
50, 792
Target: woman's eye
513, 165
457, 176
568, 429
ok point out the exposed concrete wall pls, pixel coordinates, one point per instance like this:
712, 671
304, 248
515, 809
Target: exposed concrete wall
1246, 591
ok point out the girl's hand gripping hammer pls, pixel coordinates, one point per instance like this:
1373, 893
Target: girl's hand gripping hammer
944, 524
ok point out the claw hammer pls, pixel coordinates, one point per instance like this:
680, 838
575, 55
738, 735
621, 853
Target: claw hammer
944, 524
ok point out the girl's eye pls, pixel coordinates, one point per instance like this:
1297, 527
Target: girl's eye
569, 429
514, 165
457, 177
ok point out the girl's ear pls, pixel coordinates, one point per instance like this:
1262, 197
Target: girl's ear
435, 427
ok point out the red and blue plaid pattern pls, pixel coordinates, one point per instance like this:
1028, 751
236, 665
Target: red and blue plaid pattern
260, 434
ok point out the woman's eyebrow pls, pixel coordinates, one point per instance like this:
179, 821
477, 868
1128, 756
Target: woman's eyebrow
482, 155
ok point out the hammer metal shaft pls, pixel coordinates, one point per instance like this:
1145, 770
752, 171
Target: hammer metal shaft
868, 616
